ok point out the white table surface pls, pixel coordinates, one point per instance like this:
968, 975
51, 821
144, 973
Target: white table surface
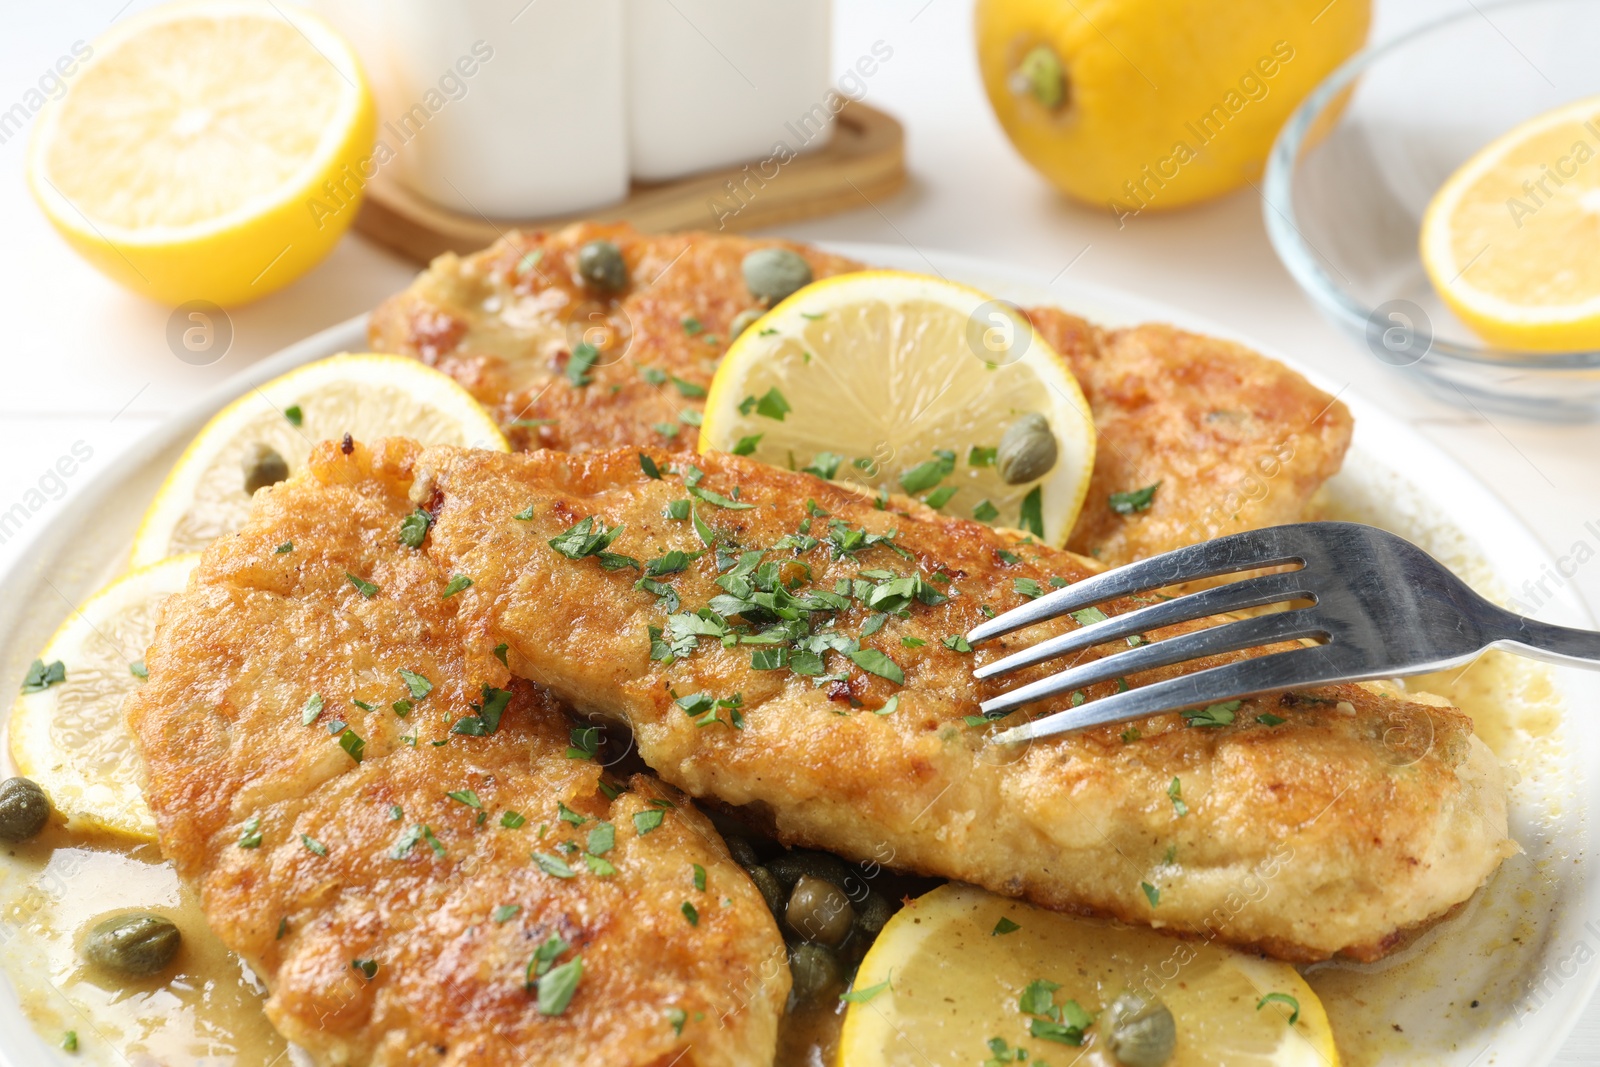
87, 362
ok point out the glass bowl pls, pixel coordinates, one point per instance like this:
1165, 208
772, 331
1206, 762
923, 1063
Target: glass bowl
1355, 166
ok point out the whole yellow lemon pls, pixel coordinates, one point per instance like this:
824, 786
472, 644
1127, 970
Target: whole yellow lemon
1139, 105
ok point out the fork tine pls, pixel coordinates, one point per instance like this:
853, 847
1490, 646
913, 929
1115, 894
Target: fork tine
1250, 593
1230, 637
1226, 555
1292, 669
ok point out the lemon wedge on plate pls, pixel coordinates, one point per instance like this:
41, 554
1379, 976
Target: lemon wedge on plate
1508, 241
366, 396
908, 384
961, 976
208, 150
67, 735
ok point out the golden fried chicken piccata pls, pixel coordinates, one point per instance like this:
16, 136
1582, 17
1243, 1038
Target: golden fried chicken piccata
1236, 441
407, 843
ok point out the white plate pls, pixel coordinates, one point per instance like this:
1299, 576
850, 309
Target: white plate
1518, 947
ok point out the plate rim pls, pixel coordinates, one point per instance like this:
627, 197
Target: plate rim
1452, 487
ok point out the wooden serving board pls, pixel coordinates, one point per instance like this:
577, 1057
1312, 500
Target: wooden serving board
863, 162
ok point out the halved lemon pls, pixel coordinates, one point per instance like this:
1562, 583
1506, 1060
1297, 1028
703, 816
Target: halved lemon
366, 396
907, 383
207, 150
69, 736
972, 977
1508, 241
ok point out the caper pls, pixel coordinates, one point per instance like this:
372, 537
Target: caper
816, 972
1142, 1031
771, 891
791, 866
872, 914
818, 910
262, 467
773, 273
742, 851
138, 943
1027, 450
600, 264
743, 321
24, 809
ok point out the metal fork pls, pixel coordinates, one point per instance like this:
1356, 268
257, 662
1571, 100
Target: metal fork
1382, 608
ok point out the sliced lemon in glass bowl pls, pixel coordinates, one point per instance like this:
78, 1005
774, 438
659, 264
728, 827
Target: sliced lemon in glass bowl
962, 976
1516, 264
909, 384
267, 435
66, 727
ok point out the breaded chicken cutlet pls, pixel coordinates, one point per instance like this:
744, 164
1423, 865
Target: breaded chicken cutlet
402, 840
1236, 441
777, 642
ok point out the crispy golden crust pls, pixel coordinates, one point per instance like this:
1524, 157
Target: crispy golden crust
221, 728
1236, 440
1357, 818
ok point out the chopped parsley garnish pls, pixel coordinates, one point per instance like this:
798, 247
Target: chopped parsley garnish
416, 683
913, 642
69, 1041
957, 643
313, 846
1213, 714
978, 456
649, 467
677, 1017
602, 838
457, 584
250, 837
688, 389
284, 549
500, 654
690, 913
862, 994
294, 414
824, 465
582, 539
718, 499
506, 912
985, 511
1031, 518
599, 866
558, 985
544, 957
889, 706
553, 865
1004, 926
1266, 718
42, 676
1088, 616
1063, 1023
512, 820
396, 813
1175, 794
465, 796
1027, 587
928, 474
1151, 893
487, 719
566, 814
364, 587
699, 877
678, 509
1136, 500
584, 742
1130, 735
771, 404
874, 662
138, 669
665, 429
352, 744
525, 514
747, 444
690, 417
941, 496
414, 527
367, 969
653, 376
313, 708
363, 705
692, 325
581, 362
1282, 998
402, 708
645, 821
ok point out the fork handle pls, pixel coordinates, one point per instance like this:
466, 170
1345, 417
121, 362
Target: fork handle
1555, 644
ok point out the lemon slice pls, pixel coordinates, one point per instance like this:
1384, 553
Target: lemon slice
1509, 239
69, 736
905, 383
209, 150
366, 396
959, 961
